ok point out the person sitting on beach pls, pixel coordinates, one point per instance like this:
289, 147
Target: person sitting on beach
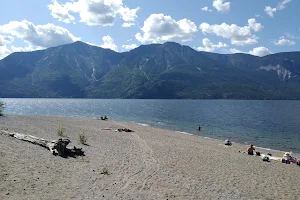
228, 143
288, 156
104, 118
251, 150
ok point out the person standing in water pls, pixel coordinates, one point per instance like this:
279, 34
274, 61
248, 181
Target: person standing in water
199, 128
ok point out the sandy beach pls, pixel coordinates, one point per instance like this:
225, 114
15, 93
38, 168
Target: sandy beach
149, 163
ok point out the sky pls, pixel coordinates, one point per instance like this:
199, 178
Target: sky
257, 27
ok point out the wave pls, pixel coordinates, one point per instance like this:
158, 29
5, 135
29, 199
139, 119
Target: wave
141, 124
184, 133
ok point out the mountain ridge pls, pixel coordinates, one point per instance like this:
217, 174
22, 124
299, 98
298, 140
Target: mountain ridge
169, 70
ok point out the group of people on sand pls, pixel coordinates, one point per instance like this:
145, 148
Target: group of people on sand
287, 158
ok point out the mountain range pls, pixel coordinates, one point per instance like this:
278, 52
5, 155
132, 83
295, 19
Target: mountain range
155, 71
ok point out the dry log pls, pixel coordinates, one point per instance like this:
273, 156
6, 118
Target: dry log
56, 147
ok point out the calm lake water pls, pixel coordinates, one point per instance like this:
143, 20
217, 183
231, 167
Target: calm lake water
269, 124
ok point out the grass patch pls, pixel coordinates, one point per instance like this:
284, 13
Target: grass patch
61, 131
105, 171
2, 106
82, 139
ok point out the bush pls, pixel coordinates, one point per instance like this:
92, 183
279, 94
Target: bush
2, 106
61, 131
104, 171
82, 139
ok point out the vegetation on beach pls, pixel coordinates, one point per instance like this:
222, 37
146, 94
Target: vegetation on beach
82, 139
2, 106
61, 131
105, 171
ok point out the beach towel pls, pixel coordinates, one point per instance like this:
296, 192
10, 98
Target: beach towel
270, 157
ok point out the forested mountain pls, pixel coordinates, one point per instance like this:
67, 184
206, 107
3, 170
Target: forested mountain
167, 70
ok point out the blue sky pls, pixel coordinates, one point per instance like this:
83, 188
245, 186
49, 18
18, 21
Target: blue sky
258, 27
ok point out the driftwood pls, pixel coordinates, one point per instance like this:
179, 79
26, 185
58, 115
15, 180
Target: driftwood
56, 147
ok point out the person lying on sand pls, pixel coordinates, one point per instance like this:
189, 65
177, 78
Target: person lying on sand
251, 150
125, 130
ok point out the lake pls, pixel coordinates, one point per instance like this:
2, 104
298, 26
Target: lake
269, 124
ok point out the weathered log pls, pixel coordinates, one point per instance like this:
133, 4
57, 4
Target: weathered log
56, 147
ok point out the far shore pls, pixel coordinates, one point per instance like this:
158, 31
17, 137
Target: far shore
149, 163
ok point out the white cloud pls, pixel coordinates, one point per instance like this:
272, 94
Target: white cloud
24, 49
60, 12
254, 25
47, 35
291, 36
5, 40
128, 14
93, 12
270, 11
128, 24
238, 35
160, 27
220, 6
282, 41
129, 46
4, 51
258, 51
209, 46
280, 6
206, 9
234, 50
108, 43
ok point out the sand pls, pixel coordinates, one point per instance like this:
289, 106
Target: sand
149, 163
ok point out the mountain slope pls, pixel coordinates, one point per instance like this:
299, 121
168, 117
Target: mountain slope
167, 70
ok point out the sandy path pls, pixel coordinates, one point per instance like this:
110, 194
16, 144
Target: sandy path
149, 163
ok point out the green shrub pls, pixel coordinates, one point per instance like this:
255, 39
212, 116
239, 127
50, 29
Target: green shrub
82, 139
61, 131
